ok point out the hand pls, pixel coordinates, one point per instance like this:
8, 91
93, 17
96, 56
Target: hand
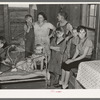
67, 38
55, 48
69, 61
29, 24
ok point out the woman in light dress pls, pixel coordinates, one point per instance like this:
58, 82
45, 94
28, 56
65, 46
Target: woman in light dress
42, 33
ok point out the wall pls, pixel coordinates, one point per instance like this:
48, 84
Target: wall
1, 21
84, 14
16, 17
16, 21
97, 34
75, 14
51, 10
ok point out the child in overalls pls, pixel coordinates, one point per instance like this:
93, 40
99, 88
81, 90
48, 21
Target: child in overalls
29, 36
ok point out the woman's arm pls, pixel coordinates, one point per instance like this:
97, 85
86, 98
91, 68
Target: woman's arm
83, 55
78, 58
55, 48
76, 53
27, 28
52, 28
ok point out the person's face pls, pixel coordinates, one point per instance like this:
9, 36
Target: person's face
59, 34
40, 18
82, 34
28, 60
1, 44
59, 17
74, 33
29, 20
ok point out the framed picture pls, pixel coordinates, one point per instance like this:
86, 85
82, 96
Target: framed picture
41, 55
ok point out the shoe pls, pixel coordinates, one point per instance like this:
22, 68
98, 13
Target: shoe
57, 85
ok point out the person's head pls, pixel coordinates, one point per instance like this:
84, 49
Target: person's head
41, 17
59, 32
29, 60
2, 41
38, 48
82, 32
28, 18
62, 15
74, 32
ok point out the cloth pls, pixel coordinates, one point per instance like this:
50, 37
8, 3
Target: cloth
89, 74
67, 31
20, 75
56, 57
42, 35
74, 43
68, 67
83, 44
29, 42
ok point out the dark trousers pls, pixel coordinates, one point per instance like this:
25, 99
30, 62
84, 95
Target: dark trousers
29, 47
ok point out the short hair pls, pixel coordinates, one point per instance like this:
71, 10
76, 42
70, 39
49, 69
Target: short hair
64, 14
43, 14
74, 29
59, 29
79, 28
28, 15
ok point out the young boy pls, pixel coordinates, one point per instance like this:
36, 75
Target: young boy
29, 36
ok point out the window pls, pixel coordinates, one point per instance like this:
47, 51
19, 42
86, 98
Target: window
91, 15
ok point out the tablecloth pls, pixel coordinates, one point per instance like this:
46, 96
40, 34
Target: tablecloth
89, 74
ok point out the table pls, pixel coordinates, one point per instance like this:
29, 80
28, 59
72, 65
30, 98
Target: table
89, 74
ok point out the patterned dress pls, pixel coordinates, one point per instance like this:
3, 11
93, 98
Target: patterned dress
54, 65
42, 35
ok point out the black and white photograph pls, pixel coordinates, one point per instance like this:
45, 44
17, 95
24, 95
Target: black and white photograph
50, 46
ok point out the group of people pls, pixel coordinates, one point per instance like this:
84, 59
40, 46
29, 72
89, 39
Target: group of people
64, 45
68, 47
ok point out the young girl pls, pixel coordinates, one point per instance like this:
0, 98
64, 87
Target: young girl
83, 53
74, 42
57, 48
62, 22
29, 36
